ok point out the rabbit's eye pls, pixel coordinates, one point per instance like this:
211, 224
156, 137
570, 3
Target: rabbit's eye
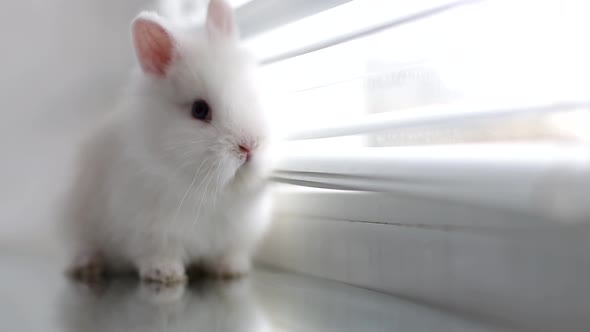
200, 110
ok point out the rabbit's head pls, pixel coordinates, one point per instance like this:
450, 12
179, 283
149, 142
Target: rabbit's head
196, 101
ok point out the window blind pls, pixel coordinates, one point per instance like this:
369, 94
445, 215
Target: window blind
437, 150
505, 175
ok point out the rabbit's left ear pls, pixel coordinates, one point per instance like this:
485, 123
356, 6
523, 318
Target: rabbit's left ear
221, 23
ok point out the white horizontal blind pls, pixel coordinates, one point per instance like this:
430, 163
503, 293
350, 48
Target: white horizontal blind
277, 13
551, 180
435, 114
436, 150
465, 173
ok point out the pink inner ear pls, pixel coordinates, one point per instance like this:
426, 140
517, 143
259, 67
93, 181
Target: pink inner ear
154, 47
220, 17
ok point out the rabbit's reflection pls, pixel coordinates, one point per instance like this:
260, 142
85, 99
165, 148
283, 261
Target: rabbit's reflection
128, 306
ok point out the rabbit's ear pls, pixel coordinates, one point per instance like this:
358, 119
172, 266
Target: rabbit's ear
221, 23
154, 44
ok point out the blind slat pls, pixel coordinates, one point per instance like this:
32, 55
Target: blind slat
277, 13
540, 179
431, 115
395, 21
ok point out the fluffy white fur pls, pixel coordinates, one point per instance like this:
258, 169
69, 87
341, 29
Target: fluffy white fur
157, 189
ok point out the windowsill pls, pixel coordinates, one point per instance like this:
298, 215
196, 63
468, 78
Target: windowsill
266, 301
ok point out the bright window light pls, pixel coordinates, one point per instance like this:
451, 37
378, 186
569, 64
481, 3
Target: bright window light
495, 51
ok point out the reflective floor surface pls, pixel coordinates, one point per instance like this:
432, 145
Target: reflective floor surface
35, 296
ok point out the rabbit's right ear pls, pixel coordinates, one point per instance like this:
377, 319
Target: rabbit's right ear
154, 44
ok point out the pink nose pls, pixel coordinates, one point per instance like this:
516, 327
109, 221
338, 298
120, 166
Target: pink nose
247, 151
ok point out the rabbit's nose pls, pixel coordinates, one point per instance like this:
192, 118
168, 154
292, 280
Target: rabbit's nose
246, 150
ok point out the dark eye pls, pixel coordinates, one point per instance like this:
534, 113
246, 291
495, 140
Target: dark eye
201, 111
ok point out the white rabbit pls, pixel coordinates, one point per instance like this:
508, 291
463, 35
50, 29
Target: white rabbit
177, 175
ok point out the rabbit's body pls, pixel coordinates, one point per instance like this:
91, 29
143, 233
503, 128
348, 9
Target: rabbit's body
128, 208
160, 187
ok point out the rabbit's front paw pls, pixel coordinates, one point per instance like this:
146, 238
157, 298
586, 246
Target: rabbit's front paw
164, 272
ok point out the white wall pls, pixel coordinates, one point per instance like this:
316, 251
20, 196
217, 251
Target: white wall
61, 66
